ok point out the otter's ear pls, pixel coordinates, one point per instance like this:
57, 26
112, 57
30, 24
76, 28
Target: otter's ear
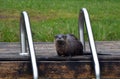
55, 36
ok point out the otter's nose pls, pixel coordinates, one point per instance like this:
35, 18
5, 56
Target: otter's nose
59, 38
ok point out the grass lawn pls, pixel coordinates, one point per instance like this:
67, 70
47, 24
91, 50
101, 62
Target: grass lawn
51, 17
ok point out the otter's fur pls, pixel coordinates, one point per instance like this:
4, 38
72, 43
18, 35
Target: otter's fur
68, 45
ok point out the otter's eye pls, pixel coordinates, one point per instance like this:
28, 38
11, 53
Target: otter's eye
64, 36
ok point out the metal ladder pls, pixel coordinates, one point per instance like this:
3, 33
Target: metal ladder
26, 40
84, 20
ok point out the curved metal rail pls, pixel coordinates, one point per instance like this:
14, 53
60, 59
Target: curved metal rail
26, 39
84, 19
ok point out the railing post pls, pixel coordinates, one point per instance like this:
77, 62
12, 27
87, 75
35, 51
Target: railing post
23, 37
81, 29
84, 19
26, 40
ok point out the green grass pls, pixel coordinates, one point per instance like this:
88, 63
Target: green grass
51, 17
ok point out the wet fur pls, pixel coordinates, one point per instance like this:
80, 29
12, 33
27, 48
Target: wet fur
68, 45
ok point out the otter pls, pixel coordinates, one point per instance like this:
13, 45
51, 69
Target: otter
68, 45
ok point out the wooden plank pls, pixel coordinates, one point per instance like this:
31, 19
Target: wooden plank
17, 57
57, 69
48, 48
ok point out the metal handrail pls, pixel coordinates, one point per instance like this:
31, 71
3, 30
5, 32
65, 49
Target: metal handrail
84, 19
26, 39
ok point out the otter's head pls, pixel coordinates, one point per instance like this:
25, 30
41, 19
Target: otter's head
60, 39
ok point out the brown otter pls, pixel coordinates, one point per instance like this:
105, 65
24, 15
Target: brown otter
68, 45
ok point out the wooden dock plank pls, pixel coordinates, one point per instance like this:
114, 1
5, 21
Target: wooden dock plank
44, 48
47, 50
53, 69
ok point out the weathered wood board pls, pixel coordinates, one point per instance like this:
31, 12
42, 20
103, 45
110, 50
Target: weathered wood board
14, 66
48, 48
59, 69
